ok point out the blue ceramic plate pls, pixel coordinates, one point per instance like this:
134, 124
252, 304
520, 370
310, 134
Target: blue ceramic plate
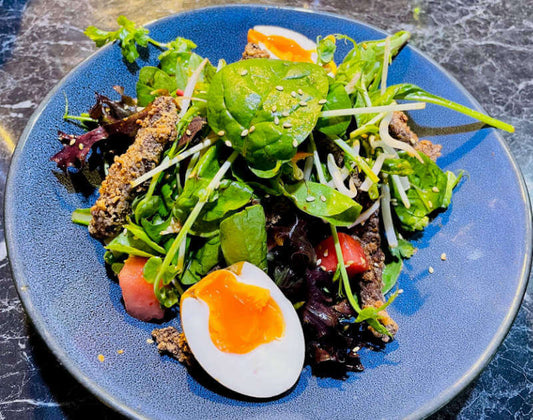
451, 321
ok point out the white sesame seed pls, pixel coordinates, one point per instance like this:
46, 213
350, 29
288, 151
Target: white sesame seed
356, 349
319, 261
349, 263
276, 120
326, 252
252, 129
322, 101
274, 108
430, 204
303, 103
300, 92
80, 146
280, 88
323, 198
285, 114
443, 256
323, 268
188, 132
244, 133
149, 341
287, 125
227, 143
221, 133
310, 198
72, 142
435, 189
400, 291
244, 72
293, 94
295, 143
431, 270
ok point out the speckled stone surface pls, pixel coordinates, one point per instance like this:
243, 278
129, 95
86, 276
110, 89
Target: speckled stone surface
487, 45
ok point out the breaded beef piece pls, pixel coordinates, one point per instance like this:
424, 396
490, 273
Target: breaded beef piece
370, 282
254, 51
399, 129
170, 341
114, 204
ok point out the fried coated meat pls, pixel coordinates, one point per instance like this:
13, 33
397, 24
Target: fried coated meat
399, 129
370, 282
254, 51
170, 341
156, 130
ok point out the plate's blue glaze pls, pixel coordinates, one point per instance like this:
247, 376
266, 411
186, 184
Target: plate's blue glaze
451, 321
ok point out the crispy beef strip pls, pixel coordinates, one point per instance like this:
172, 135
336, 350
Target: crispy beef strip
370, 282
170, 341
399, 129
254, 51
157, 129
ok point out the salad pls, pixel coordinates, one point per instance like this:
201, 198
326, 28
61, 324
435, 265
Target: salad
269, 200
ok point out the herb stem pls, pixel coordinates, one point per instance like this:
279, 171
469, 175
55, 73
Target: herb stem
361, 130
360, 162
344, 274
82, 216
316, 160
167, 163
158, 44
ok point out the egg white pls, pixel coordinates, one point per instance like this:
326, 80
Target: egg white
297, 37
268, 370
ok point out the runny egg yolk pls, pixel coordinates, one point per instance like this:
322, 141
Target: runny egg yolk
283, 48
241, 316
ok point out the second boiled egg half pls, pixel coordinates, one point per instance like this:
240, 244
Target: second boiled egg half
283, 43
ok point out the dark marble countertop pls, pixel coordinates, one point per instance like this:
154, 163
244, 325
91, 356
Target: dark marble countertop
486, 44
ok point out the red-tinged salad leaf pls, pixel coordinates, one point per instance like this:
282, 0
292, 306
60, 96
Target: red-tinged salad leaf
107, 111
332, 337
76, 148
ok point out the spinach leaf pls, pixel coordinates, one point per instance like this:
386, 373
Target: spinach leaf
265, 107
126, 243
243, 237
230, 195
430, 190
391, 272
325, 49
397, 166
322, 201
152, 79
204, 260
139, 233
414, 93
337, 99
178, 51
155, 226
152, 267
366, 59
196, 184
404, 249
147, 207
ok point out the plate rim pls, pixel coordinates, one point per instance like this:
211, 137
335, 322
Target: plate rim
114, 402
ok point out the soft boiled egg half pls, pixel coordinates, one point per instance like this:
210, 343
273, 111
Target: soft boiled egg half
283, 43
243, 331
